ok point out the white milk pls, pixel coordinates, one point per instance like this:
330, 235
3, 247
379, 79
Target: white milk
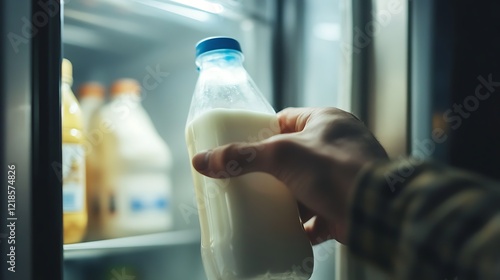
90, 105
249, 224
91, 97
134, 194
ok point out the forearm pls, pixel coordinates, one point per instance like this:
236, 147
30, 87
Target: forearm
426, 221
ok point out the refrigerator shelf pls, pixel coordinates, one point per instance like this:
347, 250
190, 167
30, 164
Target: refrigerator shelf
94, 249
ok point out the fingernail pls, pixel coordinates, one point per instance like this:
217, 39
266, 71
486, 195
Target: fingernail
200, 160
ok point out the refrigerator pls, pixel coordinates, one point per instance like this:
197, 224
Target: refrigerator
387, 61
151, 41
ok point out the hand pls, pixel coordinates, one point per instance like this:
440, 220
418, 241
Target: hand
317, 156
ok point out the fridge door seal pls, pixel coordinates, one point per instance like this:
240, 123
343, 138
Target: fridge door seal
46, 187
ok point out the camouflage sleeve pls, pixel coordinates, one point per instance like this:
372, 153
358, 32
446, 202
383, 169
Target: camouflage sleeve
422, 220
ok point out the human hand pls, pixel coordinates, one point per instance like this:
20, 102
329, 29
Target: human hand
317, 156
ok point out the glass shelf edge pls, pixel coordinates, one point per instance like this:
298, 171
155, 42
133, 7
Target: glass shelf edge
101, 247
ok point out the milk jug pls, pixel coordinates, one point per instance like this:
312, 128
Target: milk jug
134, 189
91, 96
73, 161
250, 227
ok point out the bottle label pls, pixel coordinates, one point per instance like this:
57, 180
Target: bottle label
141, 204
138, 203
144, 194
73, 171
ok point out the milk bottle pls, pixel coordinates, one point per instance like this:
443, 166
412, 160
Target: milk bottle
73, 160
249, 224
91, 97
134, 186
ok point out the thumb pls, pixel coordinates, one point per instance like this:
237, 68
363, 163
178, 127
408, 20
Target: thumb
234, 160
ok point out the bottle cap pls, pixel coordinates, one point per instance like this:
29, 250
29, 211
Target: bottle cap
125, 86
67, 71
91, 89
217, 43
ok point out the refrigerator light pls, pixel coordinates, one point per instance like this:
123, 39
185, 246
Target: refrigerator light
327, 31
206, 6
197, 15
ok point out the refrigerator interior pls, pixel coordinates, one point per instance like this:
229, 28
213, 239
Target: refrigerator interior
153, 42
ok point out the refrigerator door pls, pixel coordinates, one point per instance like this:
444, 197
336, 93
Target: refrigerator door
31, 212
378, 90
356, 58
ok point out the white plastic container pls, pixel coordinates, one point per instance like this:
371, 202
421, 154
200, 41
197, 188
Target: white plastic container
91, 97
134, 184
250, 225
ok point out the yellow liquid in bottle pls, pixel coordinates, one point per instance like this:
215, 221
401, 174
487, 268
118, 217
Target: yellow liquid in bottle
73, 162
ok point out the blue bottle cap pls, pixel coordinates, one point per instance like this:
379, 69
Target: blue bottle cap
217, 43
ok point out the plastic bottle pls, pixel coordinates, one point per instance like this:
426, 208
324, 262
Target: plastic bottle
250, 227
134, 186
73, 161
91, 95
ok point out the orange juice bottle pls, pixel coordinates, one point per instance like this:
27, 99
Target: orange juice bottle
73, 161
